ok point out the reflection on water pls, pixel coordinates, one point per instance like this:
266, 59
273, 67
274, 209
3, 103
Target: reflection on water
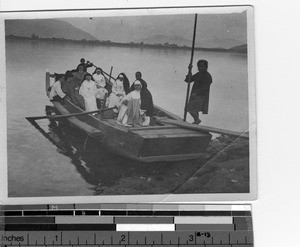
85, 153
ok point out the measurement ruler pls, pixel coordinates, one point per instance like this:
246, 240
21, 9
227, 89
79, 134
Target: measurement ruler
126, 224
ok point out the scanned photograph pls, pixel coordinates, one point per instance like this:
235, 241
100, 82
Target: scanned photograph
130, 104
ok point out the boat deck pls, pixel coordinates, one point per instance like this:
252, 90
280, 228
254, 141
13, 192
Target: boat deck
156, 131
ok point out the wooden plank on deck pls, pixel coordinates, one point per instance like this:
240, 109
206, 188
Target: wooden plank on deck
173, 132
203, 128
141, 128
167, 113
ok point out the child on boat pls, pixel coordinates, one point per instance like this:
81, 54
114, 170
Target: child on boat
85, 65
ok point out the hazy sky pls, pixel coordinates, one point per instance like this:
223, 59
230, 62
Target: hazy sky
210, 28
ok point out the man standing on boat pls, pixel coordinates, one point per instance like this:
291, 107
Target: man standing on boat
199, 98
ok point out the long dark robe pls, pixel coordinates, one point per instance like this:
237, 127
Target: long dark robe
70, 88
79, 76
146, 98
199, 99
126, 85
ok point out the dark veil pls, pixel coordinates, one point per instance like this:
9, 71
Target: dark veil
96, 70
126, 83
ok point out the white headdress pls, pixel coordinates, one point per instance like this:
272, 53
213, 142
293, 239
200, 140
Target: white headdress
137, 82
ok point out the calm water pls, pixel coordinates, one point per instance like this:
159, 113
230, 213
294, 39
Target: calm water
62, 164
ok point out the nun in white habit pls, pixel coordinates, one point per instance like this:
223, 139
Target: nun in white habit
88, 92
117, 93
130, 113
99, 79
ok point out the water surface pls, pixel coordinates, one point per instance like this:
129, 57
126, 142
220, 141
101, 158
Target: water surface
66, 164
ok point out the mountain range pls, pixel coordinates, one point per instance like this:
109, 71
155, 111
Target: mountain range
45, 28
213, 30
206, 43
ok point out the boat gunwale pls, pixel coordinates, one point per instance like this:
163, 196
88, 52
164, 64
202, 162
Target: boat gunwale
126, 129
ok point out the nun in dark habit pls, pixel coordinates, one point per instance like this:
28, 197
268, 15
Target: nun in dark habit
146, 97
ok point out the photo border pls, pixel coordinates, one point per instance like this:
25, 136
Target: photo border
130, 198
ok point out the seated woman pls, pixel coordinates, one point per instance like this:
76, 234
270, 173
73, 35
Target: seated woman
146, 96
130, 113
101, 92
56, 76
71, 89
80, 74
88, 91
117, 93
56, 92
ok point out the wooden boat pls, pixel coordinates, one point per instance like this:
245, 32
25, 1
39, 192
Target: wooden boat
160, 142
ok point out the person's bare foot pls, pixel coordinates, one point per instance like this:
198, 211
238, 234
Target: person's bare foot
198, 121
128, 125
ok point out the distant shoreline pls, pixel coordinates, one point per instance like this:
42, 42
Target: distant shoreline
238, 50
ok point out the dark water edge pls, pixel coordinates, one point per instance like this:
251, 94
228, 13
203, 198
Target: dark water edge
237, 50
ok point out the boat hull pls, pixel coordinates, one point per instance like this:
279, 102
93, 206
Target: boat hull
147, 144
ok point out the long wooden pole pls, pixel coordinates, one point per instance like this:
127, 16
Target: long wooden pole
190, 71
68, 115
111, 69
203, 128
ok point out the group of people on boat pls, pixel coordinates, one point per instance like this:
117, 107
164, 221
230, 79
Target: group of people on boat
132, 104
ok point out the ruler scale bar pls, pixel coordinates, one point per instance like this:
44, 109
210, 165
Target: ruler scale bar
96, 225
126, 213
126, 238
